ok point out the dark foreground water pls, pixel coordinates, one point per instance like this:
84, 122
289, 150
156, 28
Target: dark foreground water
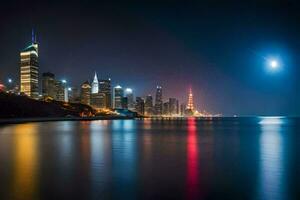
233, 158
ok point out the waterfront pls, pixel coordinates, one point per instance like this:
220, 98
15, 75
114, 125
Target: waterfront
222, 158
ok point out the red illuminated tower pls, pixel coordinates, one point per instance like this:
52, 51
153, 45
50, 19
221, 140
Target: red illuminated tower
190, 104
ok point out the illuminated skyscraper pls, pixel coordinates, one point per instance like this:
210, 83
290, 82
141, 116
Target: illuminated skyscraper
190, 105
29, 70
105, 89
85, 94
130, 99
158, 101
66, 95
95, 84
97, 97
118, 95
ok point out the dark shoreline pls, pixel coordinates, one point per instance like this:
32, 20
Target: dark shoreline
50, 119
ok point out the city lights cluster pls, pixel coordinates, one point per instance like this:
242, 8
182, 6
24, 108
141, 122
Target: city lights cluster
98, 94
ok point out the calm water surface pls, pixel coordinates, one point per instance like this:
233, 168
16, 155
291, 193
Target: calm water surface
233, 158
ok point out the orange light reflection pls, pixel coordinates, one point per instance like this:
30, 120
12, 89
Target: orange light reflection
24, 183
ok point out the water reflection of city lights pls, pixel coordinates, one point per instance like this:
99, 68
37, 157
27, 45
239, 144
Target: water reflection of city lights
192, 159
128, 125
26, 161
271, 165
147, 123
271, 120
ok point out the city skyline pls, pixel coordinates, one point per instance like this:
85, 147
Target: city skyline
94, 93
165, 99
65, 85
222, 58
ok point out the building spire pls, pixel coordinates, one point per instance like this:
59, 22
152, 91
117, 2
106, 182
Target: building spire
95, 84
33, 36
95, 77
190, 105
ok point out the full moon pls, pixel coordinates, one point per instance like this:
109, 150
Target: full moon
273, 64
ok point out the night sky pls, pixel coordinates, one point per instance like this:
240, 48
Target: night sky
218, 48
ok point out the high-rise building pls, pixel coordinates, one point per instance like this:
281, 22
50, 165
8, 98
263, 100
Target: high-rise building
74, 96
118, 95
158, 101
130, 98
98, 100
190, 105
97, 97
149, 105
124, 102
166, 108
29, 70
140, 106
95, 84
182, 109
66, 96
59, 91
48, 85
173, 106
105, 88
85, 94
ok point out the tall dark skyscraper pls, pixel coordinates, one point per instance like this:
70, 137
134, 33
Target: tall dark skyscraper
29, 70
166, 108
182, 109
149, 105
59, 91
85, 94
118, 95
98, 100
140, 105
74, 95
48, 85
105, 88
130, 98
173, 106
124, 102
158, 101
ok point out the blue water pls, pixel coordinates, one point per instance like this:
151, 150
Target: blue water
225, 158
